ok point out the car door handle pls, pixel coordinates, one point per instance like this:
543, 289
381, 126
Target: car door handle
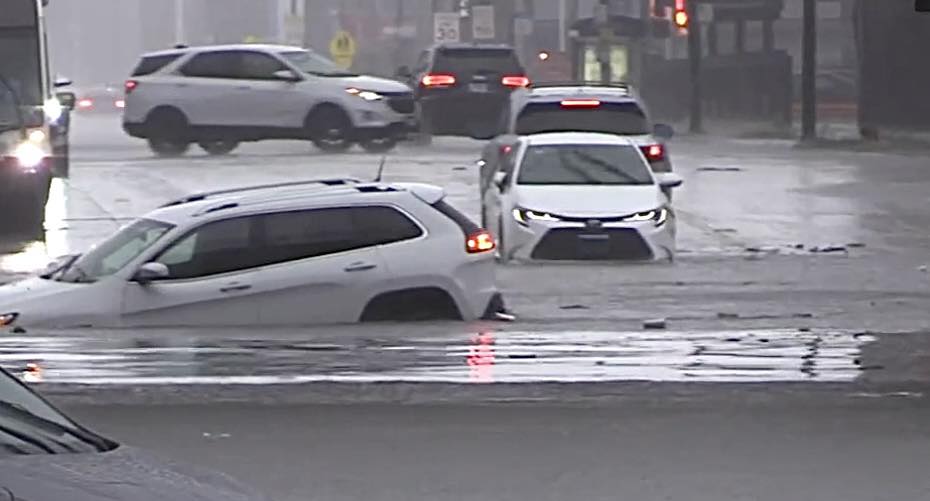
235, 288
360, 267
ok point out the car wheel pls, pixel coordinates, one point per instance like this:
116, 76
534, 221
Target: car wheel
330, 129
218, 146
169, 128
168, 147
379, 145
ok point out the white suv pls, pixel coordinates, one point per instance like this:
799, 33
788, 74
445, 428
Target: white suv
313, 252
219, 96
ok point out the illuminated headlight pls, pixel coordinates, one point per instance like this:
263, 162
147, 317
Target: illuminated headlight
28, 155
659, 216
36, 135
7, 319
367, 95
524, 216
53, 109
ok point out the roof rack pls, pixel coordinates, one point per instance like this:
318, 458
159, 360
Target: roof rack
196, 197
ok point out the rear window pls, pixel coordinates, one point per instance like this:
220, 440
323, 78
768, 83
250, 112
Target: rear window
470, 61
609, 118
151, 64
464, 222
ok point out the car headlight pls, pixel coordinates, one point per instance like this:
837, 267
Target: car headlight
658, 216
524, 216
29, 155
367, 95
7, 319
53, 109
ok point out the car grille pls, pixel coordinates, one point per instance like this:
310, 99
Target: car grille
607, 244
401, 103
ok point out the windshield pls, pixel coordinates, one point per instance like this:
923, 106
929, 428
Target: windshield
620, 118
314, 64
575, 164
115, 252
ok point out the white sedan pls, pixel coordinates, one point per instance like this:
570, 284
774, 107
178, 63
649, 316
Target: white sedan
580, 196
302, 253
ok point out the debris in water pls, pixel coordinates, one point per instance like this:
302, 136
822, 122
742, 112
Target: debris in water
721, 314
574, 307
505, 317
32, 373
855, 245
656, 323
829, 249
18, 330
718, 169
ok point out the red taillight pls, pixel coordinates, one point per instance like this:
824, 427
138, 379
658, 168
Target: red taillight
654, 152
582, 103
85, 103
479, 241
434, 80
505, 149
515, 81
131, 85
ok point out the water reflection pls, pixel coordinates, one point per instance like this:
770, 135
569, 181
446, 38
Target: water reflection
28, 253
502, 357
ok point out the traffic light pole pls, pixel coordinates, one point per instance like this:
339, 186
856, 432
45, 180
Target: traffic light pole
695, 53
809, 73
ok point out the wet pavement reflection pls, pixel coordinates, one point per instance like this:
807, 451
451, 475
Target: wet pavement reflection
122, 358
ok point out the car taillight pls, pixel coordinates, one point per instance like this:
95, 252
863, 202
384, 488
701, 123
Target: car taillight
131, 85
515, 81
479, 241
85, 103
437, 80
654, 152
581, 103
506, 149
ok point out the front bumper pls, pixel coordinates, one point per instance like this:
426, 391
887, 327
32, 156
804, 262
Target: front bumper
559, 240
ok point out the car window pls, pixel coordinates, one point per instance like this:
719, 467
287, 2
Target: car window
212, 249
384, 225
258, 66
151, 64
213, 65
116, 252
571, 164
477, 60
611, 118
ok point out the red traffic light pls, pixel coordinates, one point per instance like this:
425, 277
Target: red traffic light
681, 18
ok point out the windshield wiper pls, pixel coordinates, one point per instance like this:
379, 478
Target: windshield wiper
609, 167
51, 427
332, 73
24, 437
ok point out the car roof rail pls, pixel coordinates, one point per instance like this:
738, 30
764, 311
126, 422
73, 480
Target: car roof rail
197, 197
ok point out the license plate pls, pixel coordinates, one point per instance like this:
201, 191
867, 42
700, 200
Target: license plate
478, 87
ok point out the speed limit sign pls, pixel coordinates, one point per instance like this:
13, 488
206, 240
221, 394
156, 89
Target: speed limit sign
446, 27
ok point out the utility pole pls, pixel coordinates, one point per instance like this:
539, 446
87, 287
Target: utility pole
604, 40
695, 53
809, 73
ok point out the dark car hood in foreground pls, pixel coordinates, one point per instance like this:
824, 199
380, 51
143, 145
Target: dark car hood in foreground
124, 474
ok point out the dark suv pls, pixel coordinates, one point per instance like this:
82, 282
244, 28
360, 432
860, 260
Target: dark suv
461, 89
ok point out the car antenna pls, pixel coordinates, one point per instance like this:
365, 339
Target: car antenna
381, 169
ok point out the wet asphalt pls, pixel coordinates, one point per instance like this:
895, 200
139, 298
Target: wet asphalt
791, 362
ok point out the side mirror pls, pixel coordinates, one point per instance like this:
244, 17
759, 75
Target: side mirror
403, 73
663, 131
669, 179
150, 272
67, 99
62, 81
500, 179
286, 75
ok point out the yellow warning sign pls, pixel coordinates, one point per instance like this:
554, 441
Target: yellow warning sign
342, 49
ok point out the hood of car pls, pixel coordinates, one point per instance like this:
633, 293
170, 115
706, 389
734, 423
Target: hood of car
375, 84
124, 474
32, 296
588, 200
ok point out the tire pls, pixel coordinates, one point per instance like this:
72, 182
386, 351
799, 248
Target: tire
168, 148
330, 129
379, 145
411, 305
218, 147
169, 131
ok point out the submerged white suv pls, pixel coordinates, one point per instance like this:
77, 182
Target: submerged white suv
219, 96
313, 252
